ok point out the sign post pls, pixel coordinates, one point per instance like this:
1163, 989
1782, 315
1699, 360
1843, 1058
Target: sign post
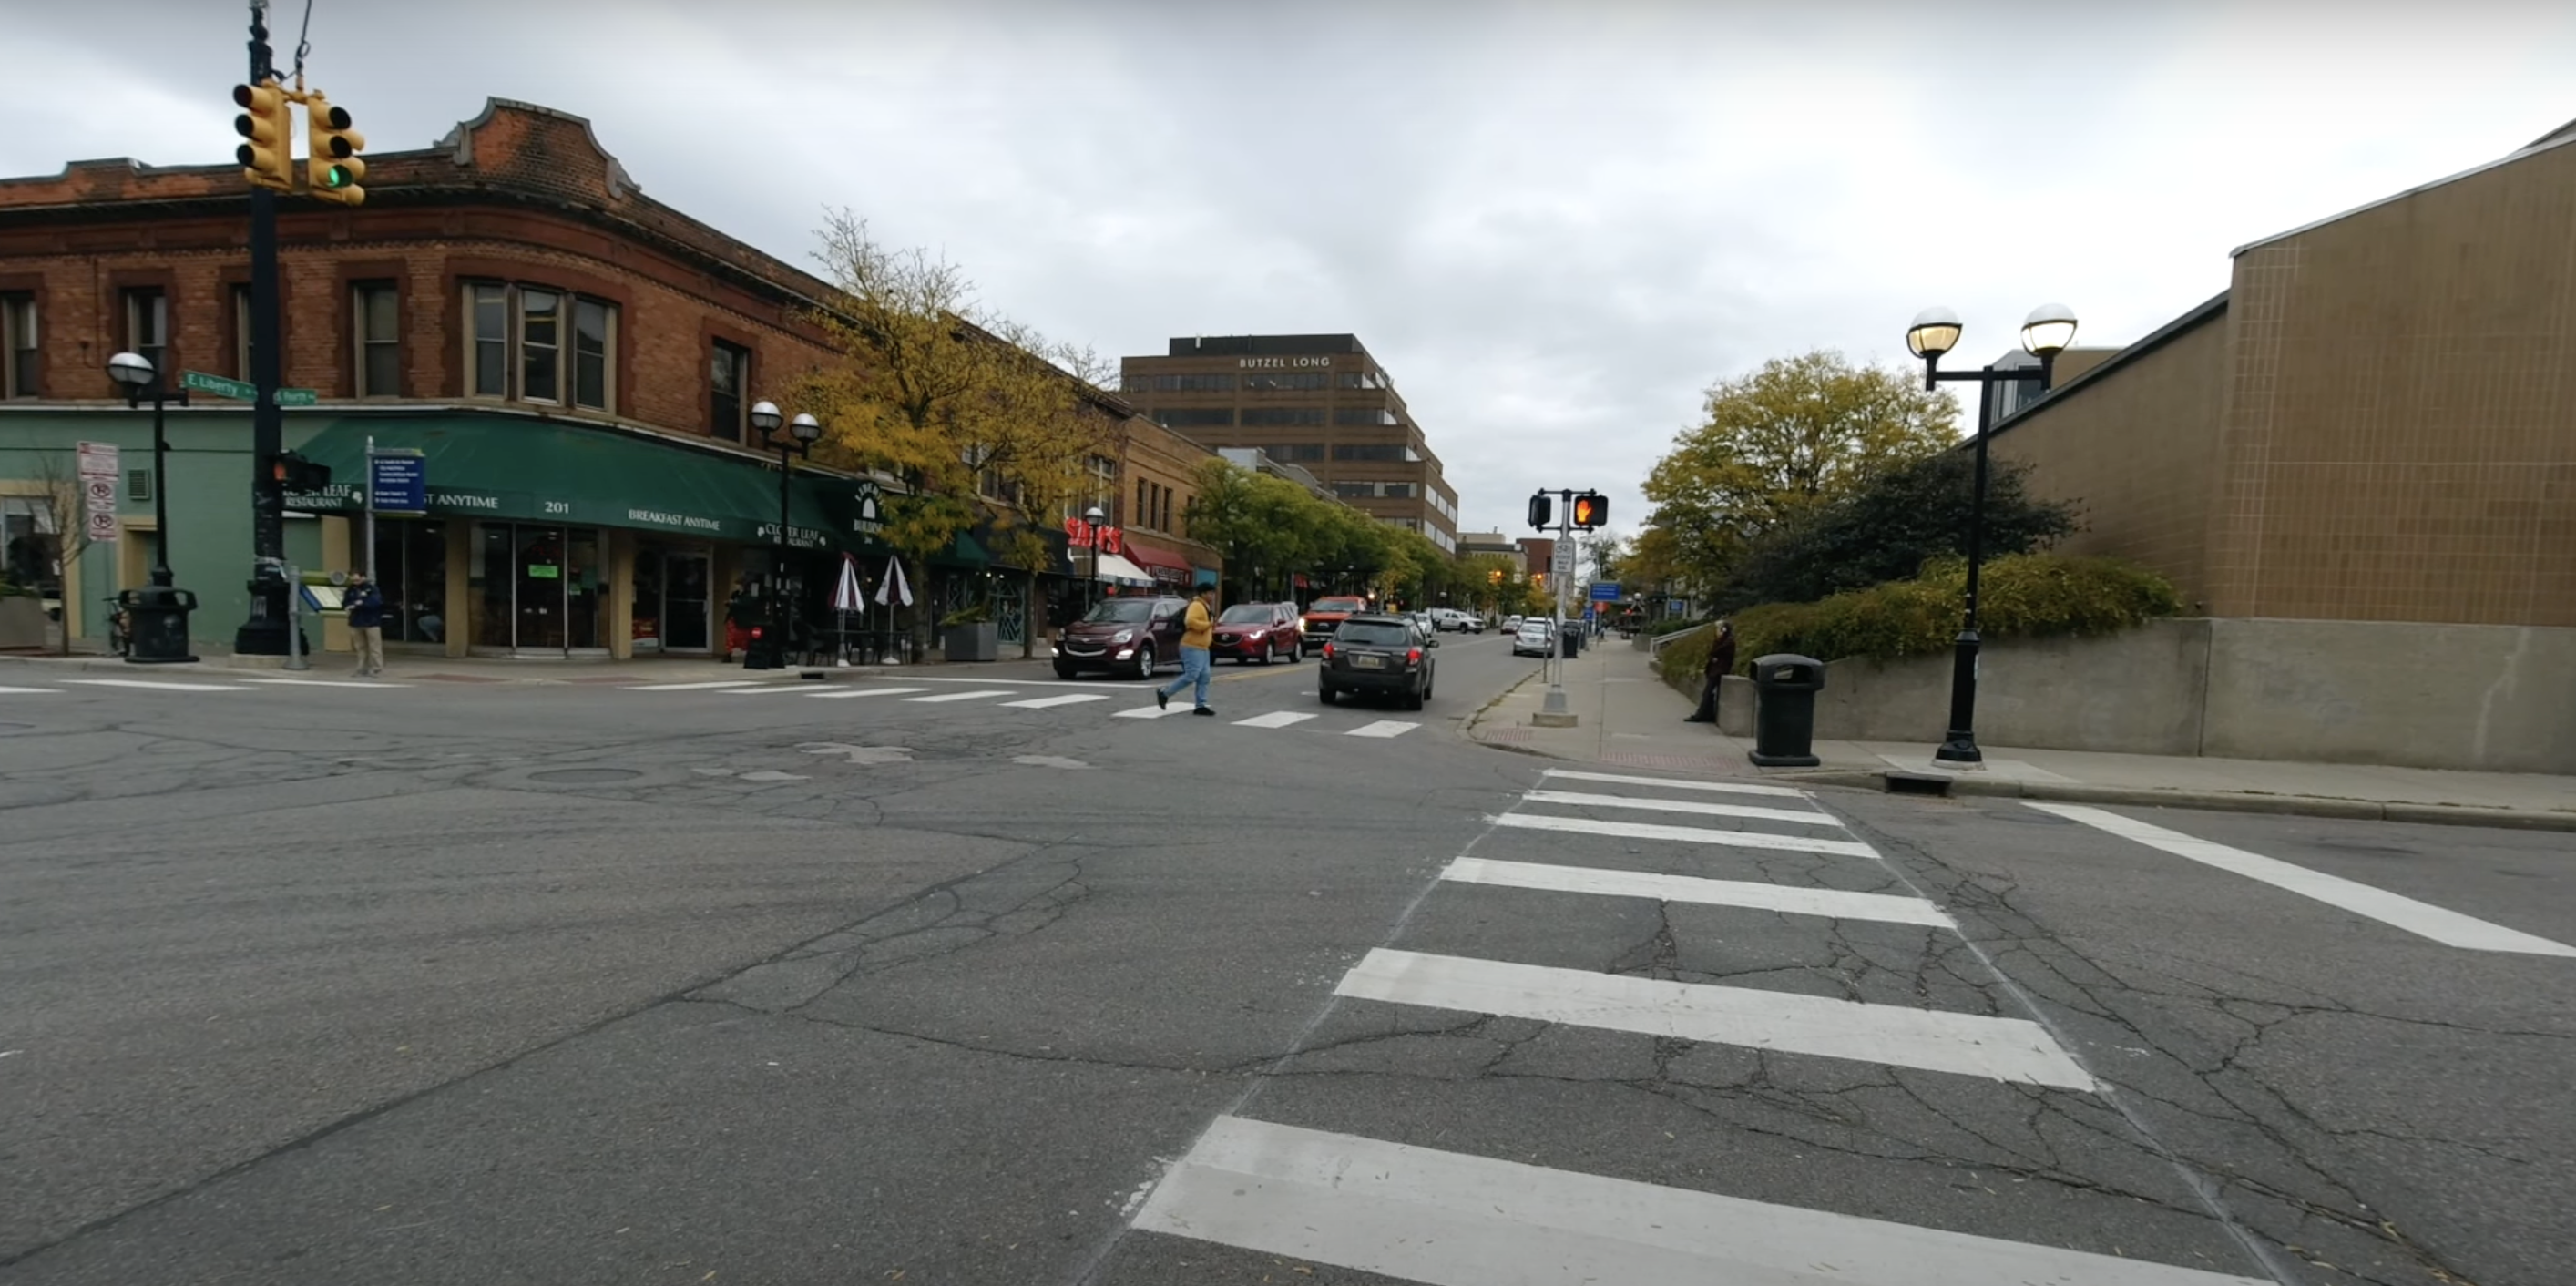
98, 473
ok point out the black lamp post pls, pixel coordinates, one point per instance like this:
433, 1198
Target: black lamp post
802, 432
1094, 516
2045, 333
157, 616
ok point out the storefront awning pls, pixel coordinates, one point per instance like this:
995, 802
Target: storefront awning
963, 551
506, 467
1118, 571
1166, 567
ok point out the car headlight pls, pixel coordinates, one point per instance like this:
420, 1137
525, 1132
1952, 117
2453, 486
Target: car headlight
1123, 636
1255, 636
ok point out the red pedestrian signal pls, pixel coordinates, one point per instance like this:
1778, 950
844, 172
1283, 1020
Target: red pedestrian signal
1590, 510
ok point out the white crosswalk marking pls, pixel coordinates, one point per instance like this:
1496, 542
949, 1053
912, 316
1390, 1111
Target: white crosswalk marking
1685, 834
1450, 1219
2006, 1049
1048, 703
1829, 903
159, 687
326, 683
1802, 816
2422, 919
1729, 787
978, 694
699, 687
844, 694
1274, 719
1383, 728
1150, 712
789, 687
26, 692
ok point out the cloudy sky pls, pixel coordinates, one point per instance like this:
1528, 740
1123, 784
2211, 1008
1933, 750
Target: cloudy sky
1555, 223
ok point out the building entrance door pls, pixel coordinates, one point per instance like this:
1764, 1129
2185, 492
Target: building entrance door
537, 591
673, 600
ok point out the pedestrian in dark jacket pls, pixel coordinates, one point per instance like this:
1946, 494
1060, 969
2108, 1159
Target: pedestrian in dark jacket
366, 606
1721, 663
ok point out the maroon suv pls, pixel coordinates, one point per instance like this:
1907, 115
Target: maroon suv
1122, 636
1256, 630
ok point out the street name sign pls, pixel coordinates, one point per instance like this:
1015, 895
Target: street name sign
242, 390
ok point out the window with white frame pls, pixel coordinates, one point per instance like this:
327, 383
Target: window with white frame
517, 347
375, 310
147, 325
18, 345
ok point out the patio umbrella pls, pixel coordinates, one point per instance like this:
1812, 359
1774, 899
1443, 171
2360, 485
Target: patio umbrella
847, 596
894, 590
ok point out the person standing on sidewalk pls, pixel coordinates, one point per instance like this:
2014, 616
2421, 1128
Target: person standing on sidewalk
1721, 663
366, 624
1198, 630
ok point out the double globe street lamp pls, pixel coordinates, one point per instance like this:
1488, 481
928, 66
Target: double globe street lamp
2044, 334
156, 615
770, 653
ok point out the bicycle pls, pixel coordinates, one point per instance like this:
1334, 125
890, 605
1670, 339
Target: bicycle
120, 628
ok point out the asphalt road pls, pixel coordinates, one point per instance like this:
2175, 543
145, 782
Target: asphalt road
581, 983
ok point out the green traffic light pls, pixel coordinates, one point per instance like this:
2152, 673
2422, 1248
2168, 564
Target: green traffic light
337, 176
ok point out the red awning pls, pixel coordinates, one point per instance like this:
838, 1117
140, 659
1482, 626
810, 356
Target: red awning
1159, 559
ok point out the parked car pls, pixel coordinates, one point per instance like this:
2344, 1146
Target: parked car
1379, 656
1450, 618
1534, 637
1263, 630
1325, 615
1511, 625
1129, 636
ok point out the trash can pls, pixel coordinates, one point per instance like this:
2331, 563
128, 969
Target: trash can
1784, 710
1569, 638
157, 624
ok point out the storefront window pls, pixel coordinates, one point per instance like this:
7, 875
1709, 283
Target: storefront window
411, 573
537, 589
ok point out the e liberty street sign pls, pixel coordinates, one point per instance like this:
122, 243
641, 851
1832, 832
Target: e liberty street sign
240, 390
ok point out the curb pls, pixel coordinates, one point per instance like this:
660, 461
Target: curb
2367, 810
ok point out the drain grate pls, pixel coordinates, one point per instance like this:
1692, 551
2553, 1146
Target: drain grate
1906, 783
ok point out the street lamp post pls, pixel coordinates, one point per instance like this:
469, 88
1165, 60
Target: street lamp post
2044, 334
157, 616
1094, 516
802, 433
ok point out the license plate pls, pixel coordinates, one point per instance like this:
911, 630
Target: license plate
1368, 663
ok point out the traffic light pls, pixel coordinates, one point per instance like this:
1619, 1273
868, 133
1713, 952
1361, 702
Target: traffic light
332, 170
267, 126
1590, 510
1542, 510
299, 475
1495, 576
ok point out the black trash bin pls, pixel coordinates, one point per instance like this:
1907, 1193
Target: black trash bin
1784, 710
1569, 638
157, 624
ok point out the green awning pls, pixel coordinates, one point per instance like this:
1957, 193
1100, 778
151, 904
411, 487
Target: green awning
963, 551
541, 471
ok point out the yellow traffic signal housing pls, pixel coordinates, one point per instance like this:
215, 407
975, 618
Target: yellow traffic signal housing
333, 169
267, 127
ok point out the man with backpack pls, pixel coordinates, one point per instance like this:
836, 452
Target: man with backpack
1198, 632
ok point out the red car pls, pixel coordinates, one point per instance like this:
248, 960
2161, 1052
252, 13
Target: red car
1326, 615
1263, 630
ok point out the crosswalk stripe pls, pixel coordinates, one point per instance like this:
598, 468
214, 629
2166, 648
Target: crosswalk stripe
1685, 834
1624, 779
1450, 1219
699, 687
1832, 904
975, 695
1150, 712
2448, 927
1045, 703
1383, 728
159, 687
326, 683
1274, 719
2004, 1049
24, 692
844, 694
1803, 816
791, 687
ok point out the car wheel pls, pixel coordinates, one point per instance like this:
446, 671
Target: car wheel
1268, 654
1145, 662
1414, 700
1063, 671
1324, 695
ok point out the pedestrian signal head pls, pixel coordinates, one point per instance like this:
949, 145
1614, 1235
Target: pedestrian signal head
1542, 509
1590, 510
334, 168
267, 127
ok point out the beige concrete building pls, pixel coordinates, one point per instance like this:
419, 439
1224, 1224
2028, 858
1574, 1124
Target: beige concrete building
2359, 462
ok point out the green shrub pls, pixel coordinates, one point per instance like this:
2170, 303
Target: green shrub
975, 615
2026, 596
1673, 625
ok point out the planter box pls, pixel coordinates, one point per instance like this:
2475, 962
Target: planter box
980, 642
22, 622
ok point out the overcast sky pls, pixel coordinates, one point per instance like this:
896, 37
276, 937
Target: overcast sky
1555, 224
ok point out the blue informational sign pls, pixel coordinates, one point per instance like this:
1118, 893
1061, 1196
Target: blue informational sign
1604, 591
401, 484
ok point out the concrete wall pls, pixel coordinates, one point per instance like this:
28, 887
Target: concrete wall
2470, 697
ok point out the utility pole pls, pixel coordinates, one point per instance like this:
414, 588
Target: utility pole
267, 631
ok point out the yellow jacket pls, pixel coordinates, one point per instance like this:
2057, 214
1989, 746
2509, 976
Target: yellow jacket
1198, 628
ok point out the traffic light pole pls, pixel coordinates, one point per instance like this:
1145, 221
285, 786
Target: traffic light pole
268, 631
1552, 712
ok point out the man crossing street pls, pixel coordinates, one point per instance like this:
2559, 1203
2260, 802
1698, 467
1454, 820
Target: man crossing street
1198, 631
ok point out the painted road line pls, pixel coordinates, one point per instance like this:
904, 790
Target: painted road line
1802, 816
1833, 904
1046, 703
792, 687
1729, 787
1383, 728
2422, 919
1151, 712
1686, 834
700, 687
1450, 1219
2003, 1049
159, 687
1274, 719
25, 692
326, 683
844, 694
977, 694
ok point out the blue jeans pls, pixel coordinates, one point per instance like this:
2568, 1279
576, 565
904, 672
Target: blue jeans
1194, 669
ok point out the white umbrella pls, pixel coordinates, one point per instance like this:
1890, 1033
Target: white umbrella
847, 596
894, 589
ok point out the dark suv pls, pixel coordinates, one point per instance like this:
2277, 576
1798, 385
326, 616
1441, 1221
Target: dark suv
1122, 636
1379, 655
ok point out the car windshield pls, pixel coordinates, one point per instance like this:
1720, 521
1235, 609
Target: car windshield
1376, 634
1122, 611
1340, 605
1246, 614
1533, 627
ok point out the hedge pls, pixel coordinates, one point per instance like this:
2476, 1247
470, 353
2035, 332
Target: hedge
2026, 596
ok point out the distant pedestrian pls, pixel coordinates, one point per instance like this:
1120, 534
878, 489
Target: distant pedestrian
1721, 663
366, 624
1198, 630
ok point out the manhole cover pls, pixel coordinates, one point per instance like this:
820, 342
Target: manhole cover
585, 776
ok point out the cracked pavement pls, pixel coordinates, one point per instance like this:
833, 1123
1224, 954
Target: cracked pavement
565, 985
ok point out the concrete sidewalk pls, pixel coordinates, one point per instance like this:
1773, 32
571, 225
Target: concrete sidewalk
1627, 717
481, 669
